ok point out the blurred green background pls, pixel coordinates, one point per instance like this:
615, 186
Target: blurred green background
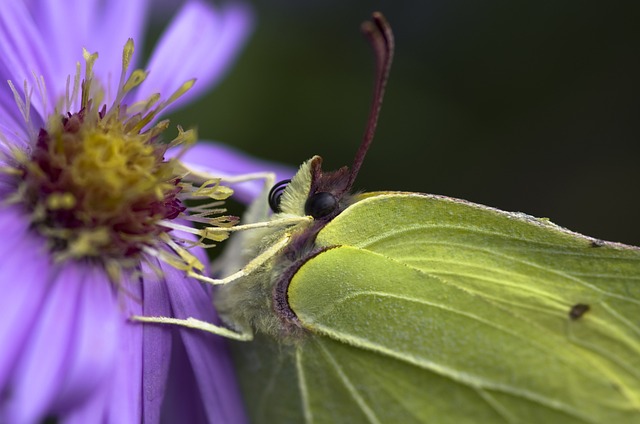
524, 106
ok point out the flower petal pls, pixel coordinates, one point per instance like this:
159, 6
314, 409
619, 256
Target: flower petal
183, 402
207, 353
23, 272
23, 50
92, 411
223, 161
120, 19
120, 401
125, 403
156, 346
62, 361
201, 43
23, 54
96, 337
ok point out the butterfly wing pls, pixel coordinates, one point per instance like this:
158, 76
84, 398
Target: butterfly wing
268, 379
434, 310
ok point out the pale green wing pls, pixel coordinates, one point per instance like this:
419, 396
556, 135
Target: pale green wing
446, 311
268, 378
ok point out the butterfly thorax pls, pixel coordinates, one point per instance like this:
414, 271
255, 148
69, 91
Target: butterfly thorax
258, 301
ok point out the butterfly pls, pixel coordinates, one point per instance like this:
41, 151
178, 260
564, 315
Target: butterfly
406, 307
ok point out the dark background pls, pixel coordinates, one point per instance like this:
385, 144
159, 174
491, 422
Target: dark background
530, 107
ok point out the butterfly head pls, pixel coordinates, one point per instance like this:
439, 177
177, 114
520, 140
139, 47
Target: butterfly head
323, 195
312, 192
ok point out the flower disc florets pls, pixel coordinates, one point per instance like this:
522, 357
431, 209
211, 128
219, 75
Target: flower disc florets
96, 188
96, 183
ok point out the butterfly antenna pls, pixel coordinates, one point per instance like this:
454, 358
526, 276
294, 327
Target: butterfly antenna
378, 32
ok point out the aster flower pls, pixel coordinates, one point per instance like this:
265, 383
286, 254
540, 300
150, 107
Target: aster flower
88, 211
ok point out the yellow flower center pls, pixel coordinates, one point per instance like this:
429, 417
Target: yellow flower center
96, 188
96, 184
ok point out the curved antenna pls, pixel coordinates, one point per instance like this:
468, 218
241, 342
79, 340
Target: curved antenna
378, 32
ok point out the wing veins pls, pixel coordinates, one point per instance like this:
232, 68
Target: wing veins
376, 348
496, 405
366, 409
303, 387
532, 264
372, 293
622, 318
462, 378
474, 230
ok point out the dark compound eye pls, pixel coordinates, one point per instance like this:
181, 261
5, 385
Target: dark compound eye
276, 194
320, 204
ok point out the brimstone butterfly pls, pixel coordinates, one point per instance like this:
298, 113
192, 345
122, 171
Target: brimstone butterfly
394, 307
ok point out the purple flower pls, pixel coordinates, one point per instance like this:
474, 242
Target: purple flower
88, 204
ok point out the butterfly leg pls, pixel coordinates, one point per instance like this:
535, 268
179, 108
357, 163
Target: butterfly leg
253, 265
195, 174
197, 325
268, 177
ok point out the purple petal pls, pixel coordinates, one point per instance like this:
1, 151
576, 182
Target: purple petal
37, 38
96, 338
200, 43
23, 52
92, 411
207, 353
22, 48
23, 270
98, 26
65, 40
223, 161
62, 361
121, 19
13, 133
121, 399
125, 401
136, 390
183, 402
156, 346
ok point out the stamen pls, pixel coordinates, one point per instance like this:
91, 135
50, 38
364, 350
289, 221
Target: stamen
42, 90
179, 257
23, 106
127, 54
90, 60
153, 113
76, 86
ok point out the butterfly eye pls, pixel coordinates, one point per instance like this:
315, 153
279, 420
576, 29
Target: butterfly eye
320, 204
276, 194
